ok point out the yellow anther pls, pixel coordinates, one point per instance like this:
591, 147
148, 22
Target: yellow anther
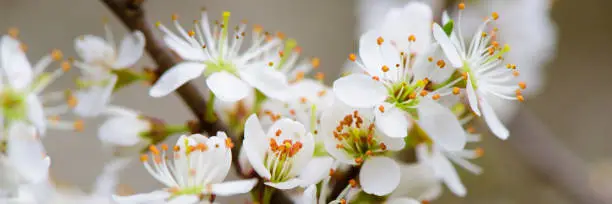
78, 125
191, 33
352, 57
56, 54
523, 85
456, 90
385, 68
436, 96
315, 62
461, 6
153, 149
411, 38
66, 66
144, 158
13, 32
520, 98
380, 40
495, 15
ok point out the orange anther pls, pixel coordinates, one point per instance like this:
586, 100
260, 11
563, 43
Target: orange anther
424, 93
278, 132
479, 152
523, 85
164, 147
456, 90
495, 15
228, 143
411, 38
353, 183
385, 68
381, 108
78, 125
520, 98
153, 149
56, 54
315, 62
144, 158
436, 96
66, 66
383, 146
380, 40
13, 32
175, 16
352, 57
461, 6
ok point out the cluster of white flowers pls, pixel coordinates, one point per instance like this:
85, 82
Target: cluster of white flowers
418, 87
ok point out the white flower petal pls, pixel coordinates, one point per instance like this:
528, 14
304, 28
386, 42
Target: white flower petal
316, 170
420, 183
94, 49
472, 97
369, 52
270, 82
255, 145
233, 187
184, 49
329, 120
393, 122
286, 185
93, 102
144, 198
184, 199
26, 153
414, 19
176, 77
15, 63
227, 87
130, 50
358, 90
36, 113
393, 143
310, 195
379, 176
445, 169
123, 130
496, 126
447, 46
402, 201
441, 125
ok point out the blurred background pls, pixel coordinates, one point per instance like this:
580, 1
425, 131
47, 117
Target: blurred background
574, 102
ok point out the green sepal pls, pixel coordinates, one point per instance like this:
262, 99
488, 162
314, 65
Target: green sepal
448, 27
126, 77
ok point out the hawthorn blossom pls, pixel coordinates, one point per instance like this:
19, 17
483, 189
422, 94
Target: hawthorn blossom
230, 73
284, 155
398, 64
101, 67
22, 158
482, 66
200, 164
419, 182
350, 136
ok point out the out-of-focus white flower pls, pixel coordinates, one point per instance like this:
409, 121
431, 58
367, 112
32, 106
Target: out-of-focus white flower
21, 84
102, 60
284, 155
126, 129
230, 73
482, 66
418, 181
199, 166
440, 161
397, 81
527, 26
22, 158
235, 113
350, 136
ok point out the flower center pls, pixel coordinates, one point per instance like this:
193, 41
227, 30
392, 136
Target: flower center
13, 104
406, 96
279, 159
356, 139
218, 65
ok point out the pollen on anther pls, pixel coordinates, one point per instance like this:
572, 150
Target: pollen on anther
56, 54
515, 73
522, 85
153, 149
191, 33
331, 172
520, 98
381, 108
376, 78
278, 132
456, 90
423, 93
380, 40
436, 96
411, 38
479, 152
78, 125
315, 62
229, 143
495, 15
430, 59
383, 146
13, 32
342, 201
359, 160
461, 6
385, 68
66, 66
353, 183
441, 64
175, 16
352, 57
164, 147
319, 76
303, 100
144, 158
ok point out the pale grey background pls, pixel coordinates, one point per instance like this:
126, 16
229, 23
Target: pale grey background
575, 103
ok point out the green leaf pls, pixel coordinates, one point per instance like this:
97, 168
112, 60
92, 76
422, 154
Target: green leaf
448, 27
126, 77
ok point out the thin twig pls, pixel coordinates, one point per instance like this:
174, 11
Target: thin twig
132, 15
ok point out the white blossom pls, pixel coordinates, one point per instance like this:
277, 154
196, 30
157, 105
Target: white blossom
230, 73
125, 129
200, 164
101, 60
284, 155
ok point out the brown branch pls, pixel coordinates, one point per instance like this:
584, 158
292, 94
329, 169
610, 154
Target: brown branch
132, 15
551, 160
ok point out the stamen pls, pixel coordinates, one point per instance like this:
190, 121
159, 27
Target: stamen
456, 90
144, 158
353, 183
228, 143
461, 6
479, 152
315, 62
175, 16
380, 40
381, 108
424, 93
495, 15
78, 125
352, 57
385, 68
522, 85
13, 32
153, 149
411, 38
331, 172
441, 64
320, 76
164, 147
520, 98
436, 96
66, 66
56, 54
278, 132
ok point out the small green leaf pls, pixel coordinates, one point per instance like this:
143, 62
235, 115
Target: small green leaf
448, 27
126, 77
